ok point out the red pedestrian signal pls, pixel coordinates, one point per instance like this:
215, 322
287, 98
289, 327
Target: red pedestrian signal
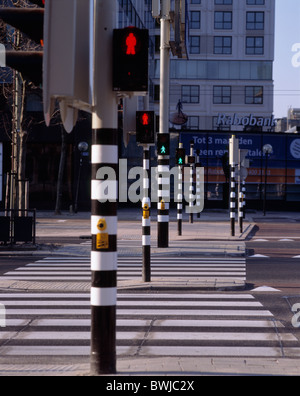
130, 60
145, 127
145, 119
131, 42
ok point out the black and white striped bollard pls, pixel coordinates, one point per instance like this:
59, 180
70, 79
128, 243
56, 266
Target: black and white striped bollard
146, 204
232, 199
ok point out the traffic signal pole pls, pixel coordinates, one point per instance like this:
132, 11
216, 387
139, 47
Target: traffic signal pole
164, 160
104, 208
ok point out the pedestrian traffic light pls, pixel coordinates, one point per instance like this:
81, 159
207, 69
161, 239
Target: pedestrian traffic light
130, 60
180, 156
145, 127
29, 21
163, 144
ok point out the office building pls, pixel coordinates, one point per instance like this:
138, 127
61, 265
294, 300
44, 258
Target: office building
229, 74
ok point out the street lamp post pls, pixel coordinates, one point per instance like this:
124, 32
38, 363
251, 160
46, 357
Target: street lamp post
83, 148
267, 150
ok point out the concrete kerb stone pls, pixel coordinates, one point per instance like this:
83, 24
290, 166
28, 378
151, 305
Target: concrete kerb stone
158, 284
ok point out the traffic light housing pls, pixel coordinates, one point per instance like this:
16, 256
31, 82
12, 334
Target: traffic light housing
180, 156
130, 60
163, 144
145, 127
29, 21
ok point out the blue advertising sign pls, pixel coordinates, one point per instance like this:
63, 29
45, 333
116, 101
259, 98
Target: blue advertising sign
213, 145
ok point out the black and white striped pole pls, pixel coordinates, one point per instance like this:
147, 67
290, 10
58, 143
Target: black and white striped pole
191, 161
163, 206
180, 161
198, 183
233, 161
104, 193
145, 137
146, 217
244, 199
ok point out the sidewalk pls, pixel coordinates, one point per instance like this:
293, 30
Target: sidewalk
166, 366
209, 236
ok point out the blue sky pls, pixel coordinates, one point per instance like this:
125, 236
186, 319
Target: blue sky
286, 75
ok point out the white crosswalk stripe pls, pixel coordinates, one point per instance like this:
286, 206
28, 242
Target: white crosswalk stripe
78, 269
167, 324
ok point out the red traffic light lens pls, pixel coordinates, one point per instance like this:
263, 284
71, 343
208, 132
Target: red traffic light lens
145, 118
131, 42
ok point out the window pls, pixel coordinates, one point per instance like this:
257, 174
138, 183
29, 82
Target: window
190, 94
195, 22
254, 45
223, 2
255, 2
254, 95
255, 20
195, 45
193, 123
223, 45
223, 20
222, 95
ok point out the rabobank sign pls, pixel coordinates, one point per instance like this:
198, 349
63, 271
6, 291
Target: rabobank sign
251, 120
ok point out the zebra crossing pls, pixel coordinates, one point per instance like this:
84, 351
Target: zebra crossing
129, 268
56, 325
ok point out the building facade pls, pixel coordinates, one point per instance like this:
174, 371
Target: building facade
230, 67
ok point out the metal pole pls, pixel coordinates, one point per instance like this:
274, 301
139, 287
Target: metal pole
146, 218
164, 160
104, 205
266, 183
78, 184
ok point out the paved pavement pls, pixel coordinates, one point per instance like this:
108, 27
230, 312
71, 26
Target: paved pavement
206, 239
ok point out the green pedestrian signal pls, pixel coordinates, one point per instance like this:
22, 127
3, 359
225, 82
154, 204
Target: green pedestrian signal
163, 144
180, 156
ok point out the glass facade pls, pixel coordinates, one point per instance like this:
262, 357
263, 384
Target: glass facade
219, 70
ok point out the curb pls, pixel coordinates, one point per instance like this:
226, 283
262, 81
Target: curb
157, 284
